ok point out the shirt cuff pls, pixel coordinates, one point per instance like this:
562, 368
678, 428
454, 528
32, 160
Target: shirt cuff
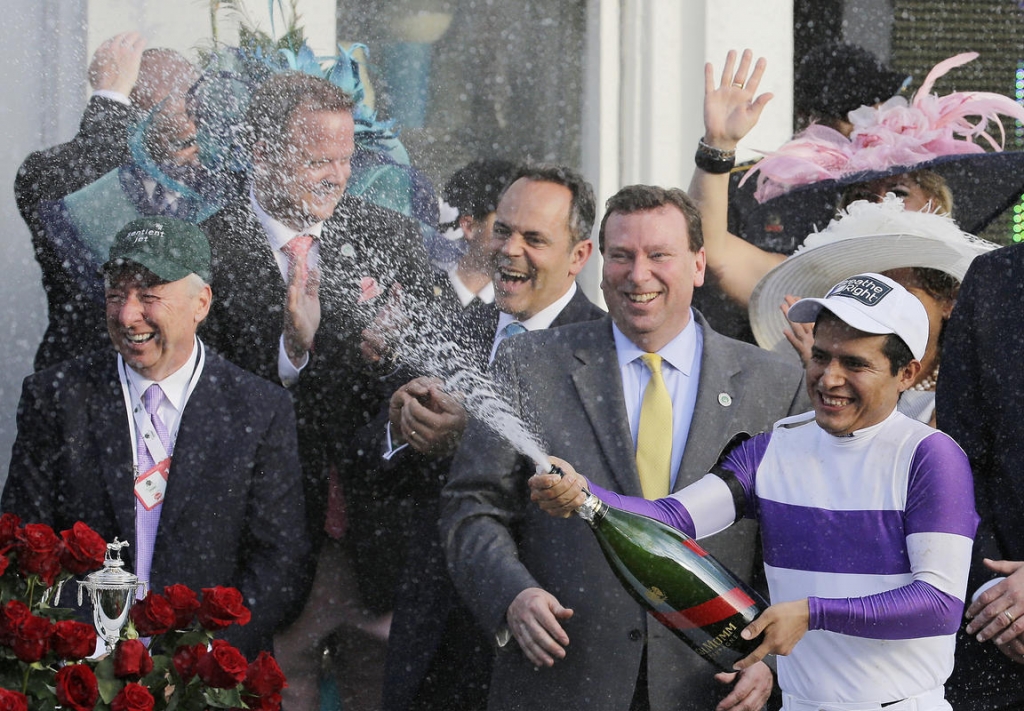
391, 450
985, 586
286, 370
113, 96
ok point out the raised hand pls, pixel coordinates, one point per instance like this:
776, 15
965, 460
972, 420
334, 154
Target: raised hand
731, 109
115, 64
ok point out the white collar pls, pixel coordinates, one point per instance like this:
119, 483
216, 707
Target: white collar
543, 318
486, 294
278, 233
679, 352
175, 385
865, 432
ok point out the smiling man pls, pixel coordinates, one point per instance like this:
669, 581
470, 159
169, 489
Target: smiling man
166, 445
867, 516
301, 269
576, 639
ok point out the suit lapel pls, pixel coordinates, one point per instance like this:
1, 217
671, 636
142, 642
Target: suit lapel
712, 414
246, 258
108, 413
599, 384
195, 450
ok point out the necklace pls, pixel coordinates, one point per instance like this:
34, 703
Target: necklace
927, 384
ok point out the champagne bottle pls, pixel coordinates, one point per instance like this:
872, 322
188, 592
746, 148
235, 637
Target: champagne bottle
677, 581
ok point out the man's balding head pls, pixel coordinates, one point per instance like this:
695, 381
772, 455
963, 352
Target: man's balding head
163, 73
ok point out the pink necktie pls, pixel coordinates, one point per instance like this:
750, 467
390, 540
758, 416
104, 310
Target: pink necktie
297, 251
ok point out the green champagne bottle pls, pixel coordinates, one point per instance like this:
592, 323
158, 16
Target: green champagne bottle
677, 581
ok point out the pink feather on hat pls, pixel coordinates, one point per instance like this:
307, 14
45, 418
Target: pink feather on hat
897, 133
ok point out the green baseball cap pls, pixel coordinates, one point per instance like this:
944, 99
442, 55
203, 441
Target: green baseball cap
170, 248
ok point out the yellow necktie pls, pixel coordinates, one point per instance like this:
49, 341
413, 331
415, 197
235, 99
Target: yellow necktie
654, 439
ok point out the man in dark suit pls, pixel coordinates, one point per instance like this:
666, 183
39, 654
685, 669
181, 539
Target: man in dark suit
978, 403
300, 270
167, 445
128, 84
293, 316
536, 586
438, 658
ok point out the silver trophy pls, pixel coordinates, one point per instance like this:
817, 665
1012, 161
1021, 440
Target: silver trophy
112, 592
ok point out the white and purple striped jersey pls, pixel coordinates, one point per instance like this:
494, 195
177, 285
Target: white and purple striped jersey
874, 529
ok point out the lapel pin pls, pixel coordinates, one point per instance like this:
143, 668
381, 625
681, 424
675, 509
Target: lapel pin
724, 399
348, 250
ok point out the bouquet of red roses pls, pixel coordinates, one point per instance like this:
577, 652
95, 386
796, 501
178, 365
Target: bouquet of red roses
37, 638
183, 667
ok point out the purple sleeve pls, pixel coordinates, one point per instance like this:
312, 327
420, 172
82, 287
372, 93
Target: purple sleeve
940, 495
741, 461
907, 612
940, 499
668, 510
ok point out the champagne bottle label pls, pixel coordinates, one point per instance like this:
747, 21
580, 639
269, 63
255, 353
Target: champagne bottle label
707, 613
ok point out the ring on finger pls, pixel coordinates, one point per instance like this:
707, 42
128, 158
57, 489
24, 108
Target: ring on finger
738, 84
1009, 615
412, 433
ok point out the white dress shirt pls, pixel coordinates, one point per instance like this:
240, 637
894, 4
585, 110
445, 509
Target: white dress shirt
538, 322
466, 296
278, 235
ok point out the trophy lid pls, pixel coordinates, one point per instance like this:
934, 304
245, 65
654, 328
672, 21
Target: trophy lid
112, 576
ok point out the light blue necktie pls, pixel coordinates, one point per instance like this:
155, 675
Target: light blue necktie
513, 329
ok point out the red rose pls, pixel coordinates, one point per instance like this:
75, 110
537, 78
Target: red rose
10, 615
40, 552
133, 697
264, 677
32, 638
186, 659
83, 549
73, 640
152, 615
221, 607
184, 602
9, 525
131, 659
76, 687
12, 700
223, 667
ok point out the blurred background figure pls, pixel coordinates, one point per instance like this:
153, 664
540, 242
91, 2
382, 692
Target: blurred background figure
75, 196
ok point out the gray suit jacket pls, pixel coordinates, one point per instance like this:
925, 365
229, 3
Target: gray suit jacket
566, 384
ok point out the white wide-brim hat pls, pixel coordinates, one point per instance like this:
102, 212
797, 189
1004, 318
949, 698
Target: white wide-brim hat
867, 237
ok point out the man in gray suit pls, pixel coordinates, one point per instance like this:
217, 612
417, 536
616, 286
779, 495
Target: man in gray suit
538, 583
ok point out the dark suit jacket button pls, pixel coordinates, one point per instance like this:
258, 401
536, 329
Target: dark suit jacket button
635, 635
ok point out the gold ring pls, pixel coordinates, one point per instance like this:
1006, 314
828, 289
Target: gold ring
1009, 616
738, 84
412, 433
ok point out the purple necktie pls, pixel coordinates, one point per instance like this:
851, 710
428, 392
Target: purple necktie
146, 522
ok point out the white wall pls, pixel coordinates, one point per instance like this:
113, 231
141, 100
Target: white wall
43, 58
